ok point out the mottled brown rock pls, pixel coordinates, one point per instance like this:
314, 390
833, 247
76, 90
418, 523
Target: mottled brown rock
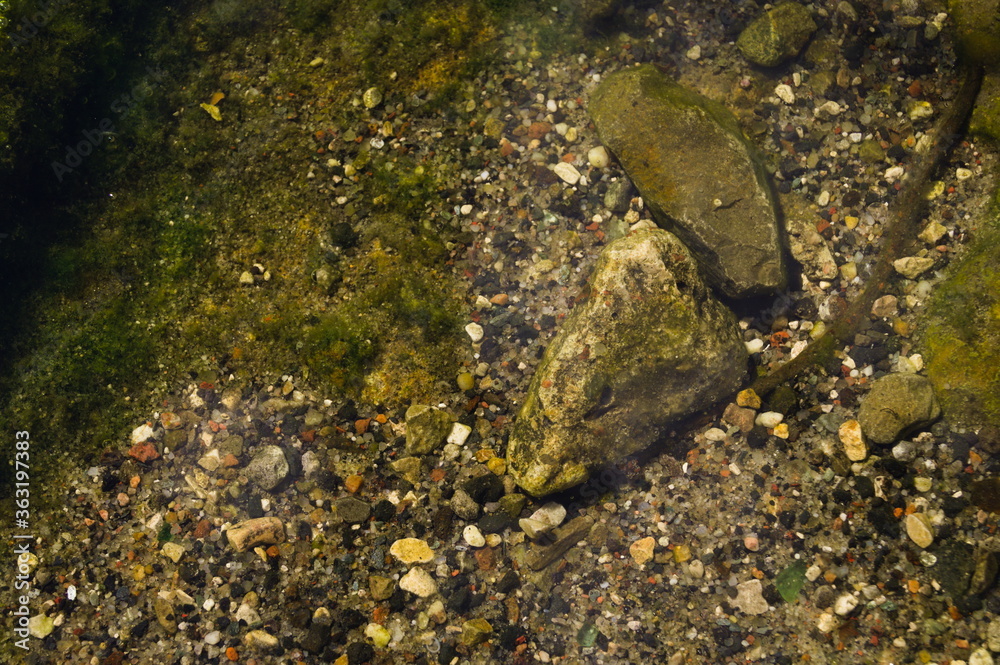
650, 346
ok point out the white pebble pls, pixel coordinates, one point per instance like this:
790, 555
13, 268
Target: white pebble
785, 94
551, 106
963, 174
598, 157
459, 433
694, 52
473, 536
754, 345
567, 172
769, 419
475, 332
715, 434
845, 604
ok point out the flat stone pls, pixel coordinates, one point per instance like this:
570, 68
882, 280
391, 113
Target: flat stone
380, 587
897, 404
624, 368
426, 429
918, 528
475, 631
352, 510
777, 35
769, 419
750, 597
268, 468
700, 176
642, 550
851, 436
418, 582
172, 551
40, 626
411, 550
912, 267
567, 172
260, 639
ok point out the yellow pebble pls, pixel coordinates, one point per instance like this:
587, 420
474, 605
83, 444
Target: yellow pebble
484, 454
497, 465
466, 381
682, 553
851, 221
781, 431
748, 399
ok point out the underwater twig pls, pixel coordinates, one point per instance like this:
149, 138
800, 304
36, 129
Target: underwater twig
904, 215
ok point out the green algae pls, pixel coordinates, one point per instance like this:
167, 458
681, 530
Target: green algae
959, 335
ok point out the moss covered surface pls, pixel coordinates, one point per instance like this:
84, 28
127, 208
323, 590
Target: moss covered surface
136, 262
960, 336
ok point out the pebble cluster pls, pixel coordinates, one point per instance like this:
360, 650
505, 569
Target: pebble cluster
270, 524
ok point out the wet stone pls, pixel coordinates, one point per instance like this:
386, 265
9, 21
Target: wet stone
352, 510
895, 405
268, 468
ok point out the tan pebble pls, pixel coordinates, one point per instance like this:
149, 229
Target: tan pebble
172, 551
855, 446
123, 499
411, 550
752, 543
418, 582
352, 483
912, 267
500, 299
748, 399
261, 530
642, 550
498, 465
134, 481
918, 528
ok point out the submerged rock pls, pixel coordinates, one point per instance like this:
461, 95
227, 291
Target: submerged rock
777, 35
650, 346
698, 173
897, 404
960, 334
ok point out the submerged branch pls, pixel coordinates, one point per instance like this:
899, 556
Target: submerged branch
904, 217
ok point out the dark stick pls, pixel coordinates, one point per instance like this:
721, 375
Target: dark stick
904, 217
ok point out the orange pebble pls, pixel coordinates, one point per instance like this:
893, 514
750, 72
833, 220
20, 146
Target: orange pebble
352, 483
232, 654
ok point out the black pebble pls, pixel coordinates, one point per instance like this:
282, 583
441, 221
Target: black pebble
359, 652
485, 488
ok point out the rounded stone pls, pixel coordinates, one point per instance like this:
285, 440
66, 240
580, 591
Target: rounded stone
598, 157
918, 528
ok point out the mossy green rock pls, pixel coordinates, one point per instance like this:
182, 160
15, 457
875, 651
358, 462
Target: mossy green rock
426, 429
777, 35
985, 120
960, 333
649, 347
698, 173
977, 26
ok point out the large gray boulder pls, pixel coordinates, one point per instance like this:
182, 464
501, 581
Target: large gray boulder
650, 346
698, 173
